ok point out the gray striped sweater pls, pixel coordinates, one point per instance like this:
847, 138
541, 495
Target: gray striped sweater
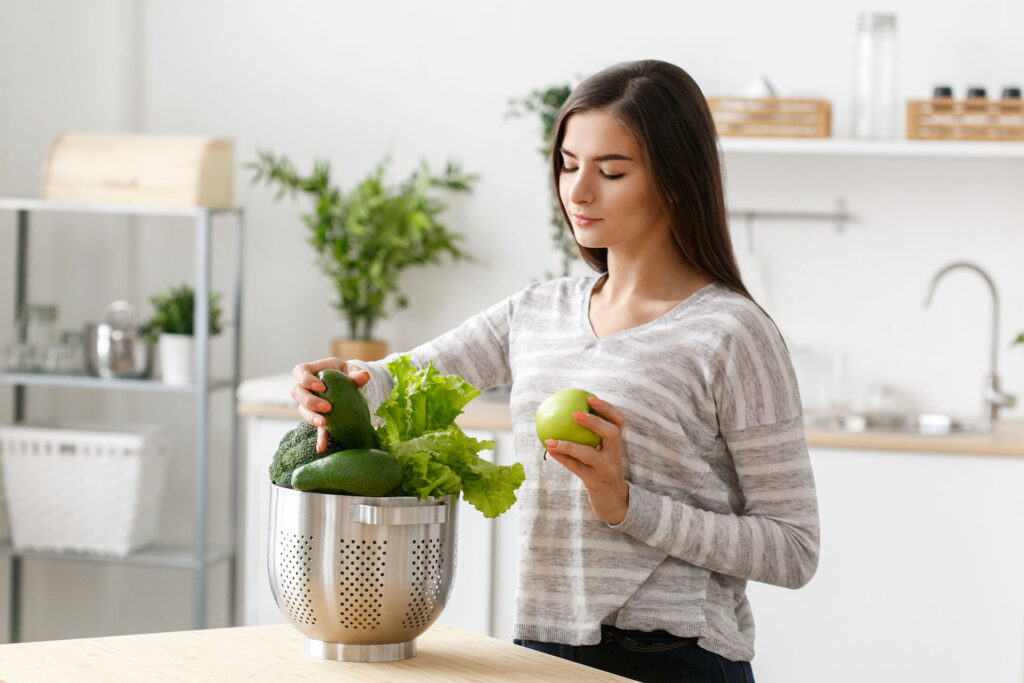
720, 483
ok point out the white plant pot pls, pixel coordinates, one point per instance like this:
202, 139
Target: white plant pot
177, 359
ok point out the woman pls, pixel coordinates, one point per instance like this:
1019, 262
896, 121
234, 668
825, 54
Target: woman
636, 553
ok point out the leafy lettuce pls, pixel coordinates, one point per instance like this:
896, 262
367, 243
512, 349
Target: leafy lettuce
437, 457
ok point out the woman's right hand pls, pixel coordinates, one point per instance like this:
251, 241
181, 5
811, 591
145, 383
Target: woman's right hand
312, 406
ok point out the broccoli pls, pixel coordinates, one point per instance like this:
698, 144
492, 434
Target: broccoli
296, 448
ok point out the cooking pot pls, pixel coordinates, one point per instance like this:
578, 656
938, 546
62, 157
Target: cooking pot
118, 347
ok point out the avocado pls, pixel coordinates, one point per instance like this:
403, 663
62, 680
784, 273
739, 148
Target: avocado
348, 421
359, 472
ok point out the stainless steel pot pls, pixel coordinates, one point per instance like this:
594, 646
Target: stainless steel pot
361, 577
117, 347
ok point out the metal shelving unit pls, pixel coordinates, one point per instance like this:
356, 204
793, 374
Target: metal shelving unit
200, 557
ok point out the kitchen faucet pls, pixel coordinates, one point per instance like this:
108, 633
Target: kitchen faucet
994, 397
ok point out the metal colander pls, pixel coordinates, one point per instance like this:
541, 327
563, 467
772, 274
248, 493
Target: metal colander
361, 577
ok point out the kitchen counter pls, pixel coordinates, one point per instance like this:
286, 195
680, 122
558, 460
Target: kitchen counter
491, 412
256, 653
1006, 438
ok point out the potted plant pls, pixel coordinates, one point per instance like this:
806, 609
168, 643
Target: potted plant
366, 237
173, 323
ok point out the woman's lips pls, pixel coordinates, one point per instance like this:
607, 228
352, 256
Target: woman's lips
583, 221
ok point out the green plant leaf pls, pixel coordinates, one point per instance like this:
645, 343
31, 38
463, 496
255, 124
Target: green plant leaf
174, 312
367, 237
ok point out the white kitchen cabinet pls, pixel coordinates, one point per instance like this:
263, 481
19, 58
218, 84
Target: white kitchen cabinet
470, 603
921, 576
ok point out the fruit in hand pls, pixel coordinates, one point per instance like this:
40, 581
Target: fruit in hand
348, 420
554, 418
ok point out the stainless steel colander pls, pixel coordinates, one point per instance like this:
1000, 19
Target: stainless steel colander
361, 577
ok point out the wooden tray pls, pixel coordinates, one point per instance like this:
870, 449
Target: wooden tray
771, 117
948, 119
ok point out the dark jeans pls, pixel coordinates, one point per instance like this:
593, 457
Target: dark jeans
650, 656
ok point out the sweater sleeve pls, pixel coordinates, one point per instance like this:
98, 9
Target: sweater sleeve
772, 532
476, 350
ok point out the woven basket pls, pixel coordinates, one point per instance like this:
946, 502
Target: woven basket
774, 117
83, 490
979, 119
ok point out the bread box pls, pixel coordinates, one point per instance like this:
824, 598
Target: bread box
132, 168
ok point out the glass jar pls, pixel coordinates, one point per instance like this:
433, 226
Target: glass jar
38, 325
875, 100
68, 356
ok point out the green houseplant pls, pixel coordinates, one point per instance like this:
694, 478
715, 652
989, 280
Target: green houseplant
366, 237
173, 324
545, 104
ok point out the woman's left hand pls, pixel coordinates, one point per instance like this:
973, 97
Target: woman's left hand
600, 468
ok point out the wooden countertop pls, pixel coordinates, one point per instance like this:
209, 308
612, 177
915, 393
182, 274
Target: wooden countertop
276, 653
1006, 438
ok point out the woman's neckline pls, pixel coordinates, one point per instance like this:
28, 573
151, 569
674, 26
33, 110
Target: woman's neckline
588, 328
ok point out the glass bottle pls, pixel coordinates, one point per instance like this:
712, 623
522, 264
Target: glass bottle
875, 105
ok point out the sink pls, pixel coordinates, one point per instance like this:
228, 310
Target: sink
920, 424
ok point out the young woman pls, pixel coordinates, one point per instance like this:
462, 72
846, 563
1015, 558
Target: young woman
636, 553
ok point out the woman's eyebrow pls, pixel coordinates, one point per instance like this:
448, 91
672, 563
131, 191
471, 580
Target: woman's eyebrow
603, 157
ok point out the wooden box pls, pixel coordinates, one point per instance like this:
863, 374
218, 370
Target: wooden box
771, 117
949, 119
130, 168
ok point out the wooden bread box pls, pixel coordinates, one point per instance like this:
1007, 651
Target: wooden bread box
132, 168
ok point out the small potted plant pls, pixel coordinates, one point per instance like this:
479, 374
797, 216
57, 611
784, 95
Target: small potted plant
173, 324
367, 237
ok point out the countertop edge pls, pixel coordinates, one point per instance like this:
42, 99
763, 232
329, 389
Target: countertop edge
1006, 438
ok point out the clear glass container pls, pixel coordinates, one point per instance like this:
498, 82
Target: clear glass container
876, 106
21, 358
66, 357
38, 325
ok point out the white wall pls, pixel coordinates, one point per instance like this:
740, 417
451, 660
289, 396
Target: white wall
351, 81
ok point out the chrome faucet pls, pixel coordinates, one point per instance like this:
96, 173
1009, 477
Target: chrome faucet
994, 397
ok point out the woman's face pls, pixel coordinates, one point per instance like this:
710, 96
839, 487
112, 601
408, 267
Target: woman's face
606, 186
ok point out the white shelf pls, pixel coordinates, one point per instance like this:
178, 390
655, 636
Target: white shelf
951, 149
198, 558
89, 382
153, 556
46, 205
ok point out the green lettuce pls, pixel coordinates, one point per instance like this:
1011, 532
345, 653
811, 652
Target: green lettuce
437, 457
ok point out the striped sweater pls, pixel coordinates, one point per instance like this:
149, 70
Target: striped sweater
720, 483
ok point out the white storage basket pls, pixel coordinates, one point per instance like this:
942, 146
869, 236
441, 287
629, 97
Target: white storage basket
83, 490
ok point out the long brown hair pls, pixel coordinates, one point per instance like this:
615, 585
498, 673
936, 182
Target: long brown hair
666, 111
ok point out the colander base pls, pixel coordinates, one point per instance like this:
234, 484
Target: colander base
379, 652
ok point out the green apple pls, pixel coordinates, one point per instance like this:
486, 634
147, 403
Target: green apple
554, 417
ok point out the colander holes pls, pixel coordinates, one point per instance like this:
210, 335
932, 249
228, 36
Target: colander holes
294, 561
426, 571
360, 586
